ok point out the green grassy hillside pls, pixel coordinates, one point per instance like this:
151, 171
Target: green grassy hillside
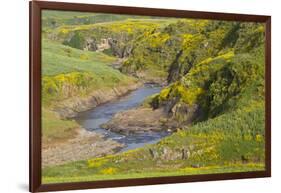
158, 49
215, 92
69, 72
173, 49
216, 68
59, 59
83, 71
121, 35
53, 18
232, 142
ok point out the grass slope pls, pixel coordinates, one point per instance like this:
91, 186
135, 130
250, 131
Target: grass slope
52, 18
104, 175
55, 129
59, 59
215, 66
69, 72
231, 142
229, 87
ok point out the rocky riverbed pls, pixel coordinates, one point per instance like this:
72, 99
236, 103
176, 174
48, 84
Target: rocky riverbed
136, 126
137, 120
83, 146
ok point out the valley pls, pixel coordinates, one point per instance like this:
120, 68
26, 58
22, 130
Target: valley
133, 96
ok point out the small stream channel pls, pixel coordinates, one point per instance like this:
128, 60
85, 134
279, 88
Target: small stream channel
92, 119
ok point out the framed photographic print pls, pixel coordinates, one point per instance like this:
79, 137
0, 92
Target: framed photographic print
123, 96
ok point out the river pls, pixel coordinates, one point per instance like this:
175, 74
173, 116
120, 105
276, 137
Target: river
92, 119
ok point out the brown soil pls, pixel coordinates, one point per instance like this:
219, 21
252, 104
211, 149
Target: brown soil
70, 107
137, 120
83, 146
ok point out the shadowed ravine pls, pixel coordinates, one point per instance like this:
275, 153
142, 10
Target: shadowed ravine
94, 118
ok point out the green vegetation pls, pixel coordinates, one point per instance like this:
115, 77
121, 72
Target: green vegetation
53, 19
59, 59
215, 81
69, 72
55, 129
90, 175
157, 50
231, 142
215, 91
121, 35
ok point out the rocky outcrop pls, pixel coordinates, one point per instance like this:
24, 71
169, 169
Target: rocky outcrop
168, 154
144, 119
91, 44
83, 146
137, 120
178, 68
70, 107
182, 114
119, 49
103, 45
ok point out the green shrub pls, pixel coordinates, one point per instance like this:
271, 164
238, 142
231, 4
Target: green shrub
76, 41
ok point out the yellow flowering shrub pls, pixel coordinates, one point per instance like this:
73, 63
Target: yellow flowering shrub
259, 138
96, 163
109, 171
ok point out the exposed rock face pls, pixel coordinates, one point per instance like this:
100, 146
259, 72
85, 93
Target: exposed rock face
104, 44
70, 107
84, 146
178, 69
183, 114
119, 49
91, 45
137, 120
167, 153
143, 119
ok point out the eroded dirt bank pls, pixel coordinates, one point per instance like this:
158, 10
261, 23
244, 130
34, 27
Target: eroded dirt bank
70, 107
85, 144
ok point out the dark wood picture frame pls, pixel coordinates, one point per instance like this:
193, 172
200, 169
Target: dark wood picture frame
35, 94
